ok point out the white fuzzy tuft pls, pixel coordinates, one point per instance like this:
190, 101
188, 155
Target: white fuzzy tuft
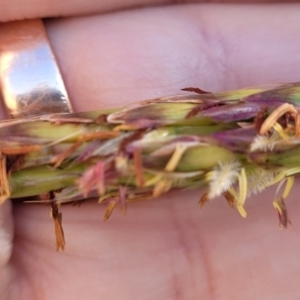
222, 178
264, 143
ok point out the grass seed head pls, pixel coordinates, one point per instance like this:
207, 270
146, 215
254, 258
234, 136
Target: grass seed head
234, 144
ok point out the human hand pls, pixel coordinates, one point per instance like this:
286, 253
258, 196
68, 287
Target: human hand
166, 248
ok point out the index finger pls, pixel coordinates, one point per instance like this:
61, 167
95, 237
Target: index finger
31, 9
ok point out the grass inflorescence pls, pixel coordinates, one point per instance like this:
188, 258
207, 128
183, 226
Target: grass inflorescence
231, 144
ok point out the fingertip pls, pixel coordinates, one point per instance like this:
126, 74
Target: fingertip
6, 232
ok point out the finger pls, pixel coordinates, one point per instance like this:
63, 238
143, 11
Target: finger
128, 57
169, 247
29, 9
157, 52
6, 233
6, 246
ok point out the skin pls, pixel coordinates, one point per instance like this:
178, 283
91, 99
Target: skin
166, 248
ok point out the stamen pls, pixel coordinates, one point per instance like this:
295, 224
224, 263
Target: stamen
18, 150
109, 209
101, 135
230, 198
59, 232
122, 199
297, 125
241, 210
4, 185
125, 127
278, 128
204, 199
153, 180
161, 187
286, 173
275, 115
138, 167
282, 213
176, 157
288, 187
242, 187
